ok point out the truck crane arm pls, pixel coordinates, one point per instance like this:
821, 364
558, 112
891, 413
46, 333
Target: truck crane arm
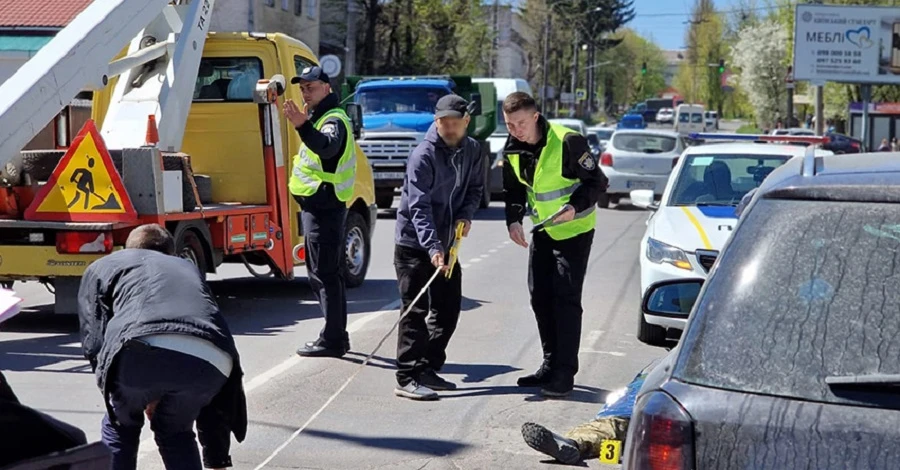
167, 41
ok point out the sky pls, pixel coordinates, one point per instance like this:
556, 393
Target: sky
663, 20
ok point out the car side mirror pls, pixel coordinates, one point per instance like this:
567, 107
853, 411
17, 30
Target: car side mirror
475, 104
354, 111
643, 198
672, 297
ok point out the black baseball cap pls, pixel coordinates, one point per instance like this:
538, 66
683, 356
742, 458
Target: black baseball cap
451, 106
311, 74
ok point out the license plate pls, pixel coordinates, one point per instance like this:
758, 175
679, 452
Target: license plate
389, 176
641, 185
610, 451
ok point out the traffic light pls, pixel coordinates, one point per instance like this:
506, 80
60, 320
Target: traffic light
644, 68
721, 65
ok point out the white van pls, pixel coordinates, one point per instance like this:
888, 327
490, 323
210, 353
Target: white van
689, 118
504, 86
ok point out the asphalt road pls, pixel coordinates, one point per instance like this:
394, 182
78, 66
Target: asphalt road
337, 414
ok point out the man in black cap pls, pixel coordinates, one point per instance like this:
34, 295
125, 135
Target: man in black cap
324, 171
443, 186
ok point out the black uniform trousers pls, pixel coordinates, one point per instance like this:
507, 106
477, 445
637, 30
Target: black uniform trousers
323, 238
422, 339
556, 271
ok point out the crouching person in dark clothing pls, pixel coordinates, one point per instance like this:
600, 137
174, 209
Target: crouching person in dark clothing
158, 345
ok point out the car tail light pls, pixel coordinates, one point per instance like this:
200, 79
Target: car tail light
606, 159
663, 435
854, 145
84, 242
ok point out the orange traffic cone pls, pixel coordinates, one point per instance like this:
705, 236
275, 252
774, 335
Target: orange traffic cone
152, 133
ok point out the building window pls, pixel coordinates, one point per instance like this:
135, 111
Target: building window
227, 80
298, 7
285, 5
311, 8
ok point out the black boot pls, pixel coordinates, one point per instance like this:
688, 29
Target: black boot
547, 442
537, 379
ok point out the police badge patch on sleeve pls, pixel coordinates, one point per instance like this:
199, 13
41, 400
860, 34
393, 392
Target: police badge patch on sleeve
587, 161
329, 128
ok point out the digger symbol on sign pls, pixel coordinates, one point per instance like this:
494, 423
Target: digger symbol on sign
84, 183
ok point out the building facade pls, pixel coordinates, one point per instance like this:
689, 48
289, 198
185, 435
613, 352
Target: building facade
510, 57
296, 18
673, 59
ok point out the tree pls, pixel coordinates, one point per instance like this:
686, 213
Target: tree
622, 71
760, 56
697, 80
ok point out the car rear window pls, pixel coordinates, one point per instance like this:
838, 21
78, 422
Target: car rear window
804, 291
643, 143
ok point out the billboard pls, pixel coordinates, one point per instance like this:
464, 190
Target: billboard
851, 44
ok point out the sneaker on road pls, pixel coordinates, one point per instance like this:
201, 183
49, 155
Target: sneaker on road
430, 379
414, 391
547, 442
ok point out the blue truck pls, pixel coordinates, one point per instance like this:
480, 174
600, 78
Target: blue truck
397, 112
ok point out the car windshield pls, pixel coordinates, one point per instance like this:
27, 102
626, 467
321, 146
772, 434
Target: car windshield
643, 143
721, 179
806, 290
399, 100
696, 118
604, 134
684, 117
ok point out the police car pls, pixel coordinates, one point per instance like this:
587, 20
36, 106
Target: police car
696, 214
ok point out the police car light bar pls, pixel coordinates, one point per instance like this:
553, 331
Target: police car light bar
809, 139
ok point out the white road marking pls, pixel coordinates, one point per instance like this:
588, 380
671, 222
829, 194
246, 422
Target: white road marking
465, 265
475, 260
592, 337
610, 353
149, 445
492, 250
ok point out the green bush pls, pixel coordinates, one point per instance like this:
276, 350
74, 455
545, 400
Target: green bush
749, 129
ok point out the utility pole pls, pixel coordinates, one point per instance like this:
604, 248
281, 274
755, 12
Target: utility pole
496, 39
790, 96
545, 67
574, 73
820, 110
350, 40
590, 79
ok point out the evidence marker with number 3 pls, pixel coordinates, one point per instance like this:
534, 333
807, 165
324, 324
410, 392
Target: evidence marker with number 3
611, 451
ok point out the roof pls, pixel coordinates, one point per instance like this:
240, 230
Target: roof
33, 14
406, 83
864, 177
745, 148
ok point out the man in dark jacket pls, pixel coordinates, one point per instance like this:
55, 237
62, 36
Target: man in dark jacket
322, 182
155, 338
551, 169
443, 185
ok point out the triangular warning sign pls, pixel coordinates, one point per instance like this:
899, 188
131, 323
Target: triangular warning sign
84, 187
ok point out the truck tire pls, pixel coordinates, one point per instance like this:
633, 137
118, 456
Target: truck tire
204, 188
486, 195
384, 198
41, 163
189, 245
357, 250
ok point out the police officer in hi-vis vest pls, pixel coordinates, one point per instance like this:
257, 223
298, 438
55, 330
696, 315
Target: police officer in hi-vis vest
550, 170
322, 182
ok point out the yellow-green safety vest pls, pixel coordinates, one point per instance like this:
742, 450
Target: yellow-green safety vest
308, 173
550, 190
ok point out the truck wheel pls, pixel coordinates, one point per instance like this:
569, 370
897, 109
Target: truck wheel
653, 335
41, 163
486, 195
604, 201
189, 246
384, 198
204, 188
357, 251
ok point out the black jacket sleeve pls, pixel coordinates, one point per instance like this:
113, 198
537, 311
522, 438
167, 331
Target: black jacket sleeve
93, 312
579, 163
326, 143
514, 194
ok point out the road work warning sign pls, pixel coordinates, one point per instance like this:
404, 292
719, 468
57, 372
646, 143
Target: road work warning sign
84, 187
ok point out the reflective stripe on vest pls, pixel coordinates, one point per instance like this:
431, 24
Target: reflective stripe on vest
308, 174
550, 190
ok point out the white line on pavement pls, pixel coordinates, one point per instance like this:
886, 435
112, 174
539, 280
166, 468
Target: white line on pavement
610, 353
592, 337
475, 260
149, 445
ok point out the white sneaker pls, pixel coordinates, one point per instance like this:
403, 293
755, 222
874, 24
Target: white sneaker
414, 391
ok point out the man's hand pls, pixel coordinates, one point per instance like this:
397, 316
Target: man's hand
566, 216
297, 116
438, 261
467, 224
517, 235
